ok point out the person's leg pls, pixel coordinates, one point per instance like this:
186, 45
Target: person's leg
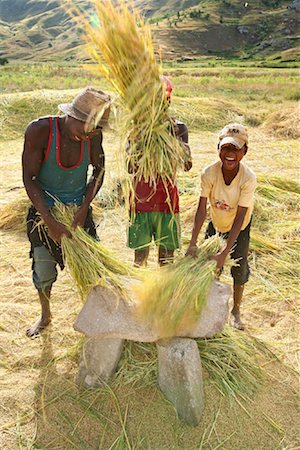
238, 290
139, 237
45, 318
165, 256
44, 275
90, 226
167, 236
240, 275
141, 256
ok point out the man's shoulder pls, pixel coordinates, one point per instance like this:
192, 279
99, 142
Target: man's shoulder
37, 135
38, 126
212, 169
248, 173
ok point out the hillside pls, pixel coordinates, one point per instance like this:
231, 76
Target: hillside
185, 29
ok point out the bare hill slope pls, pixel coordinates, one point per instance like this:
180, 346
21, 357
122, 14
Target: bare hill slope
42, 29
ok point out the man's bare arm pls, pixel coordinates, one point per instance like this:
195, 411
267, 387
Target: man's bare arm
183, 136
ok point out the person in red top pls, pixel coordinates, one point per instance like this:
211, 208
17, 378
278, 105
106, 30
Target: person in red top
155, 208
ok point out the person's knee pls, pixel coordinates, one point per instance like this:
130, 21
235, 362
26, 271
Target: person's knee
241, 273
44, 269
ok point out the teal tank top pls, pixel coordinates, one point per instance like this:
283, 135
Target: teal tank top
66, 184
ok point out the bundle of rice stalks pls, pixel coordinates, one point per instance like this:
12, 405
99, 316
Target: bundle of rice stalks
121, 44
275, 194
230, 359
13, 215
89, 262
21, 107
175, 295
276, 197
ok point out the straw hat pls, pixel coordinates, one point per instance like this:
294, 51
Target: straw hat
89, 106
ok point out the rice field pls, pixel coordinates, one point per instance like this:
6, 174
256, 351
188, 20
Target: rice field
40, 405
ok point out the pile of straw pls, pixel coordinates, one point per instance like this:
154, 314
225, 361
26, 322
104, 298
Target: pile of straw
13, 215
174, 296
122, 47
90, 263
230, 359
280, 183
111, 195
284, 123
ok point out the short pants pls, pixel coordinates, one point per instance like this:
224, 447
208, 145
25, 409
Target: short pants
44, 272
241, 272
46, 253
164, 228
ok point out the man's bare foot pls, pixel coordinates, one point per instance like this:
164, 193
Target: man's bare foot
38, 326
236, 321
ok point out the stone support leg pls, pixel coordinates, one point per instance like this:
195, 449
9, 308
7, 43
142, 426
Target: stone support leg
180, 377
98, 361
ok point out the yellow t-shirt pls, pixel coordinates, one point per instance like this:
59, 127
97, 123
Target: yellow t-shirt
224, 200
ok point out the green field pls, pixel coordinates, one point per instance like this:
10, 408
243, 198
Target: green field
41, 407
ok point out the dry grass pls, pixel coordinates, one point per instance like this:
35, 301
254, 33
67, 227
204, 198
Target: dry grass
40, 405
13, 215
284, 123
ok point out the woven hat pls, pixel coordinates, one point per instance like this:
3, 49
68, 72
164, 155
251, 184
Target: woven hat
89, 106
234, 133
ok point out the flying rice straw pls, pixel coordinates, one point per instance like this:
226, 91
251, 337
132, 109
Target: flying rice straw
174, 296
120, 43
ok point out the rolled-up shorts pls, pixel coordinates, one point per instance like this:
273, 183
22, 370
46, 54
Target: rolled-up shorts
45, 253
240, 251
44, 272
164, 228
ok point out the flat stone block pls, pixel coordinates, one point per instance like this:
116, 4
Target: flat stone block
215, 314
180, 377
98, 361
107, 315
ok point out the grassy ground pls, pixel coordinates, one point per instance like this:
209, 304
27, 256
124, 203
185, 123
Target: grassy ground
41, 407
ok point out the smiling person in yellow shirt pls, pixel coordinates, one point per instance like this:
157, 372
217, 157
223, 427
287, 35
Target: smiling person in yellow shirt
229, 186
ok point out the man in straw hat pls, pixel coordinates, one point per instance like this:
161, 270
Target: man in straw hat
56, 156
